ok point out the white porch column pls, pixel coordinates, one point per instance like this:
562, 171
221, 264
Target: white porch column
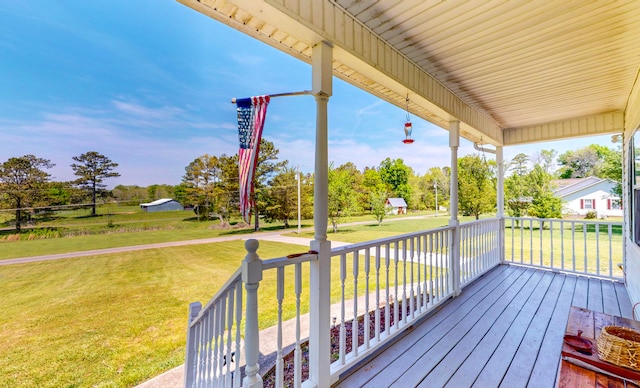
500, 200
454, 259
319, 314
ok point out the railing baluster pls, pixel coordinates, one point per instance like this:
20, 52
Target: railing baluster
387, 313
431, 265
229, 330
425, 296
236, 374
354, 323
396, 321
377, 317
584, 234
467, 259
419, 271
411, 284
551, 263
404, 281
218, 345
521, 241
597, 248
513, 244
610, 234
562, 260
297, 354
540, 256
573, 245
367, 318
279, 298
343, 333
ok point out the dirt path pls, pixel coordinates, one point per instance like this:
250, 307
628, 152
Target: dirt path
272, 236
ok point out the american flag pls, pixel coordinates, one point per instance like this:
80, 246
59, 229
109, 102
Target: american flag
251, 115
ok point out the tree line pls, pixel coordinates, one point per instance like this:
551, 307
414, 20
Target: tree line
210, 185
24, 183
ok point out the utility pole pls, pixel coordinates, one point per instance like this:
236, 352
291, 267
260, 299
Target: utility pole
435, 186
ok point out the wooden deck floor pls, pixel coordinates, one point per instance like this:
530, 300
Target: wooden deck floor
505, 329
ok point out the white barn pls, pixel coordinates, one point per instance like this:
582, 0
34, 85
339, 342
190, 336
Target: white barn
584, 195
161, 205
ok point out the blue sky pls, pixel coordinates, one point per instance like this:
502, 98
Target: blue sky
149, 83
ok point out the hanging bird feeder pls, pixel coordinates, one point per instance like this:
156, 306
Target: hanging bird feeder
408, 127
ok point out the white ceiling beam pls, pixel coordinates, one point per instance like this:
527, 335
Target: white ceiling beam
594, 125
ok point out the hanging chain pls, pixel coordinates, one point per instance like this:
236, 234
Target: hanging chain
407, 102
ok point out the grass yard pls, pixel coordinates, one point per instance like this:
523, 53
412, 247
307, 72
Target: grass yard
389, 228
119, 320
74, 231
79, 232
582, 250
111, 320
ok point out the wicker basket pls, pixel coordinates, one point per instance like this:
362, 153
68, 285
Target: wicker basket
621, 346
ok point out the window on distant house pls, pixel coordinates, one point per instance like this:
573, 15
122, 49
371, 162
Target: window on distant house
587, 203
613, 204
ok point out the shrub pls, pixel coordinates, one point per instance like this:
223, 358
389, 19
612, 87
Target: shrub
591, 215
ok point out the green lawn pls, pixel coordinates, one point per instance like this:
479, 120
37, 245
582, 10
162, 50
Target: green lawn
118, 320
389, 228
562, 248
78, 232
133, 227
110, 320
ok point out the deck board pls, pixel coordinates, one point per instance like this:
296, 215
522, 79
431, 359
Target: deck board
626, 309
465, 346
501, 359
505, 329
455, 333
545, 369
433, 328
527, 353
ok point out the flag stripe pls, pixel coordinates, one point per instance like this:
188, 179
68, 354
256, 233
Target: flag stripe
251, 116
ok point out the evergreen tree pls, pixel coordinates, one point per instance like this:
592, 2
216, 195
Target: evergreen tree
22, 183
92, 169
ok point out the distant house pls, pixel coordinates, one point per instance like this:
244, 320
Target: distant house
396, 206
583, 195
161, 205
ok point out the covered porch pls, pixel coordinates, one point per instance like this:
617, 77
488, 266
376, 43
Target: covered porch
505, 329
494, 74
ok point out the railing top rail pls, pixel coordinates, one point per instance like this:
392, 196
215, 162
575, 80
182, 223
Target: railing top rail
284, 261
236, 277
605, 222
486, 220
386, 240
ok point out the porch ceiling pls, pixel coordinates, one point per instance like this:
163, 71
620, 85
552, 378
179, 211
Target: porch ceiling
511, 71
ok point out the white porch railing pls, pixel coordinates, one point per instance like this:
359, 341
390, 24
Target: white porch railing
592, 248
384, 286
479, 248
213, 337
378, 289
